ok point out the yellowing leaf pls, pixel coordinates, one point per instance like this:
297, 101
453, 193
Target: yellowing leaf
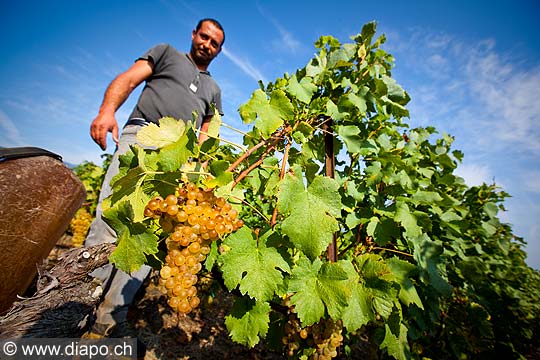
167, 132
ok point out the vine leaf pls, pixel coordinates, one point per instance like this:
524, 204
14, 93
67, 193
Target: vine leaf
247, 321
128, 186
215, 123
359, 309
268, 114
173, 156
427, 255
253, 265
408, 220
167, 132
313, 212
396, 344
302, 90
218, 169
374, 291
318, 286
351, 137
402, 270
135, 240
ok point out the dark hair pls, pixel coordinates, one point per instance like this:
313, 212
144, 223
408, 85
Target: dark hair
213, 21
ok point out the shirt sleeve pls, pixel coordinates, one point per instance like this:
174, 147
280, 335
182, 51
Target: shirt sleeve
156, 56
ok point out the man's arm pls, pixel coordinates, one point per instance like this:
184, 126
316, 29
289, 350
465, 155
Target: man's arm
117, 92
204, 129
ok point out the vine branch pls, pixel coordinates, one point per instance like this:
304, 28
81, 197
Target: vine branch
281, 176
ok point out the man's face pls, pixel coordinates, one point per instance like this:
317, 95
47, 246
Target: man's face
206, 43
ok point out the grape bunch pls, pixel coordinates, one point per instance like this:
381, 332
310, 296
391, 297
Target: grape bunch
325, 337
193, 218
79, 226
294, 334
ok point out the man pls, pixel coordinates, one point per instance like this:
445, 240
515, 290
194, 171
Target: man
177, 84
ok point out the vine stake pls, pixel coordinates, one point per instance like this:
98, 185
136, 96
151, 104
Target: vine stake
330, 166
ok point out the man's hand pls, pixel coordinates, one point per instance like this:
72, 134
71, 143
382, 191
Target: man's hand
101, 126
117, 92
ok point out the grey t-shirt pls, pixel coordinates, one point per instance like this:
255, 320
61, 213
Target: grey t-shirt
176, 88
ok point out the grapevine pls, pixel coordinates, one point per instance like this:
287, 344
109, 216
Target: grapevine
355, 218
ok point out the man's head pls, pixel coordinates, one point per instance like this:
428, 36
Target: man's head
206, 42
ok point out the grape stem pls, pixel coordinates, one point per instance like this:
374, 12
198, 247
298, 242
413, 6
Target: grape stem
281, 176
246, 154
251, 206
246, 172
355, 243
276, 137
391, 250
235, 129
223, 140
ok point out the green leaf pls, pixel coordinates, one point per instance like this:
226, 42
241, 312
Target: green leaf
215, 123
318, 286
349, 134
303, 132
491, 209
253, 265
396, 343
302, 90
429, 197
248, 321
407, 220
427, 254
222, 177
358, 101
173, 156
378, 279
167, 132
268, 114
395, 91
127, 186
333, 111
359, 310
383, 230
312, 212
135, 241
402, 271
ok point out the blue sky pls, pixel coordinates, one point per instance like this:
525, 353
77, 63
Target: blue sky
472, 69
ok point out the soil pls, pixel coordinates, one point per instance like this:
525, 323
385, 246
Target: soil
199, 335
202, 334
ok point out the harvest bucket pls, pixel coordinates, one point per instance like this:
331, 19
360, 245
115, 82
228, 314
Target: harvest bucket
38, 197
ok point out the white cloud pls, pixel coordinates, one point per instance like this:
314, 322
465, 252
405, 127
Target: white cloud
509, 95
244, 65
286, 41
475, 174
10, 136
531, 181
472, 88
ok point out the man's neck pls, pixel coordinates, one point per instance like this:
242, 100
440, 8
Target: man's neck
201, 67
